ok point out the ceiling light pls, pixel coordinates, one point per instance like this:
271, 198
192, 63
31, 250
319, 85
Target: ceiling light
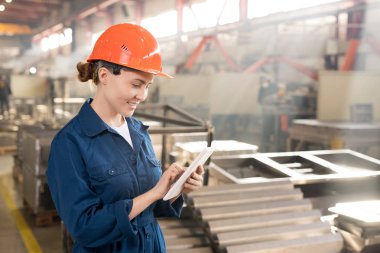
8, 1
32, 70
2, 7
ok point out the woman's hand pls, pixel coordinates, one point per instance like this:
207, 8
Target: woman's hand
169, 176
141, 202
195, 181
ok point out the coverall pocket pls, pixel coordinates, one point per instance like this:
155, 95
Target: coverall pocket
101, 173
112, 182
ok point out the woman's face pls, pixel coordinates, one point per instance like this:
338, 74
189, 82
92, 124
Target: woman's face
125, 91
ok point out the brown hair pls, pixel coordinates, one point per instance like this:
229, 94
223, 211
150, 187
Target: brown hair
86, 71
89, 70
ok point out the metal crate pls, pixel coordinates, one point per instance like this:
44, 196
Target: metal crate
35, 150
35, 192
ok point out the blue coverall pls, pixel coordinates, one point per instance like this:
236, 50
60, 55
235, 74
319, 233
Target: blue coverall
93, 175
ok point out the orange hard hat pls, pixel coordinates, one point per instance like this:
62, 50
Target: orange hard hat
131, 46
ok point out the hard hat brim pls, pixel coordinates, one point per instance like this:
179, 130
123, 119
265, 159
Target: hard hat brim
162, 74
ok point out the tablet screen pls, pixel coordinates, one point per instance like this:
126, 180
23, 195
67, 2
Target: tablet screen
176, 188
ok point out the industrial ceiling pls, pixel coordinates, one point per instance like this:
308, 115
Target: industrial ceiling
20, 20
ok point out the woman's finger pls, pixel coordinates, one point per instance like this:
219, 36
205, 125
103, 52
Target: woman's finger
200, 170
178, 168
175, 171
197, 177
190, 187
193, 181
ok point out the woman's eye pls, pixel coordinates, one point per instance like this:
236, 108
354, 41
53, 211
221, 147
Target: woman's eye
139, 85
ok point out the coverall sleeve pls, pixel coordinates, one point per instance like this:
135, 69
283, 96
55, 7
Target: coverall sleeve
167, 209
90, 222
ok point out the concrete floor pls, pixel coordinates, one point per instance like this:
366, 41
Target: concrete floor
18, 234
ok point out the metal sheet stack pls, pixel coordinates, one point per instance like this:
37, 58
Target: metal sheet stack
359, 224
263, 217
8, 132
184, 235
33, 147
187, 151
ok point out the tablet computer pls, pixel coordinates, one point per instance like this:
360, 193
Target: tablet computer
176, 188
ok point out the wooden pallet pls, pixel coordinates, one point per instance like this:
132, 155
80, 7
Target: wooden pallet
42, 218
11, 149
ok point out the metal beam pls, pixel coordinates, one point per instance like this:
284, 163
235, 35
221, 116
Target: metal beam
272, 233
14, 29
313, 74
269, 220
243, 10
210, 39
165, 119
215, 213
328, 243
172, 130
349, 59
240, 188
245, 198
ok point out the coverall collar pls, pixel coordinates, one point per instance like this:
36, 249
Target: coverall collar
90, 121
93, 125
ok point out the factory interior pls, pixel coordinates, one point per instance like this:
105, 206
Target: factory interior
283, 91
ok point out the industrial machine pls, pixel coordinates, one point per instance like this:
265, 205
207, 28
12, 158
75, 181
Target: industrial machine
360, 136
281, 104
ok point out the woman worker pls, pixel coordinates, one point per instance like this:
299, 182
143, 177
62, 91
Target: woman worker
105, 180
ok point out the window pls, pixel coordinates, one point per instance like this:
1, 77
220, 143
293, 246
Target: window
162, 25
257, 8
209, 14
56, 40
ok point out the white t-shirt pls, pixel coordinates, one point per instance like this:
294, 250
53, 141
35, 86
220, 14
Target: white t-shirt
123, 130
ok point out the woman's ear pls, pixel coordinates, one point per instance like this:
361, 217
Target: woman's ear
103, 74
